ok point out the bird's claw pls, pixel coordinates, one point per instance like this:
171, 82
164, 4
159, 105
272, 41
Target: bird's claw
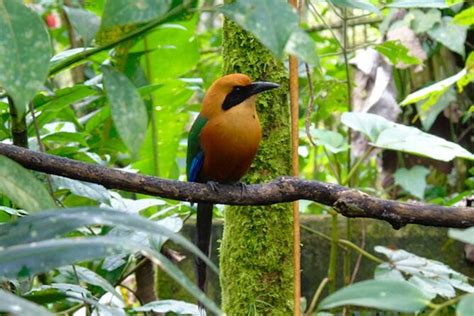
243, 187
213, 185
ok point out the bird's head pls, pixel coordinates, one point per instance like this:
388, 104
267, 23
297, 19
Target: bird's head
230, 91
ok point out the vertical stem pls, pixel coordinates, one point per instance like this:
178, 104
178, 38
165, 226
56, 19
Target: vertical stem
333, 254
294, 106
154, 131
18, 126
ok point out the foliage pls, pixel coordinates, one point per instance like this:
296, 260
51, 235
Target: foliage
125, 83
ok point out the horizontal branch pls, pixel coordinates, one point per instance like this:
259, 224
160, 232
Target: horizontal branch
346, 201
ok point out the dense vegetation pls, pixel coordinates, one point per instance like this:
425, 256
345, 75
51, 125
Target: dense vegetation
386, 107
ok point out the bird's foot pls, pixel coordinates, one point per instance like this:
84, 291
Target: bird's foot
213, 185
243, 187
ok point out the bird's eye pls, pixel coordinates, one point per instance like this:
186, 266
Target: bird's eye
237, 89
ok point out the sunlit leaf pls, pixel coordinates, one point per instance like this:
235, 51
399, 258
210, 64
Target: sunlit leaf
429, 112
89, 190
451, 35
412, 180
385, 134
440, 4
19, 185
15, 305
127, 108
396, 53
390, 295
465, 17
332, 141
24, 52
464, 235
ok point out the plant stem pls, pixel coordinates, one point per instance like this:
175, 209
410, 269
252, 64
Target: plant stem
333, 255
18, 126
437, 308
316, 296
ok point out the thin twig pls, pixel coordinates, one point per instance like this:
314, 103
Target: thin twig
316, 296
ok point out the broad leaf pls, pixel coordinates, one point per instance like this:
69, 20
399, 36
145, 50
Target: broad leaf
20, 186
450, 35
332, 141
436, 89
466, 306
412, 180
127, 107
440, 4
274, 24
421, 21
15, 305
391, 295
464, 235
429, 112
432, 277
166, 306
396, 53
124, 12
45, 225
357, 4
85, 23
89, 190
385, 134
24, 52
465, 17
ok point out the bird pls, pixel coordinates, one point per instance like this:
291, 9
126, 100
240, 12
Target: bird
222, 144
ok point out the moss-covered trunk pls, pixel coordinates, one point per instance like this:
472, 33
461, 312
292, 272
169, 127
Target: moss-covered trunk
256, 250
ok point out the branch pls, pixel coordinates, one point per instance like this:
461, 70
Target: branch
348, 202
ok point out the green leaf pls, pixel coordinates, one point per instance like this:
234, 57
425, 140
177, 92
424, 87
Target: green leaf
44, 225
397, 53
440, 4
357, 4
20, 186
412, 180
167, 306
84, 22
92, 278
390, 295
385, 134
15, 305
421, 22
466, 306
127, 108
62, 98
125, 12
13, 211
429, 112
464, 235
89, 190
332, 141
24, 52
435, 90
431, 277
274, 24
28, 259
450, 35
465, 17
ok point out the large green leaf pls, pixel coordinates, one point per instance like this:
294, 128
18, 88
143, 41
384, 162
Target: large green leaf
332, 141
274, 24
29, 259
85, 23
14, 305
124, 12
466, 306
127, 107
24, 52
428, 112
430, 276
20, 186
451, 35
465, 17
385, 134
390, 295
45, 225
412, 180
396, 53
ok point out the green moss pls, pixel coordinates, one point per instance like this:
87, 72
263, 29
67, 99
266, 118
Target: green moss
256, 249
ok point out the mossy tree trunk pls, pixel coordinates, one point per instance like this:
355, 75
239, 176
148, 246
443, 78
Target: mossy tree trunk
256, 249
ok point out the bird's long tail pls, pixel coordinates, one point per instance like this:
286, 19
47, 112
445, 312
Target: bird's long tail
203, 240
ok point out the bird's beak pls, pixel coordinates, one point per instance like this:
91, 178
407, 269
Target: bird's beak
260, 86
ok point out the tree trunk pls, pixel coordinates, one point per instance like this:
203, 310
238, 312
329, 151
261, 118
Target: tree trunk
256, 250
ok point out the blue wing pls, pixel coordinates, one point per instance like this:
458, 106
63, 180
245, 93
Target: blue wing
196, 165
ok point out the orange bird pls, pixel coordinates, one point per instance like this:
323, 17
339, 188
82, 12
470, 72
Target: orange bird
222, 144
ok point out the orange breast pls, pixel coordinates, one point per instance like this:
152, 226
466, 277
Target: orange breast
230, 143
